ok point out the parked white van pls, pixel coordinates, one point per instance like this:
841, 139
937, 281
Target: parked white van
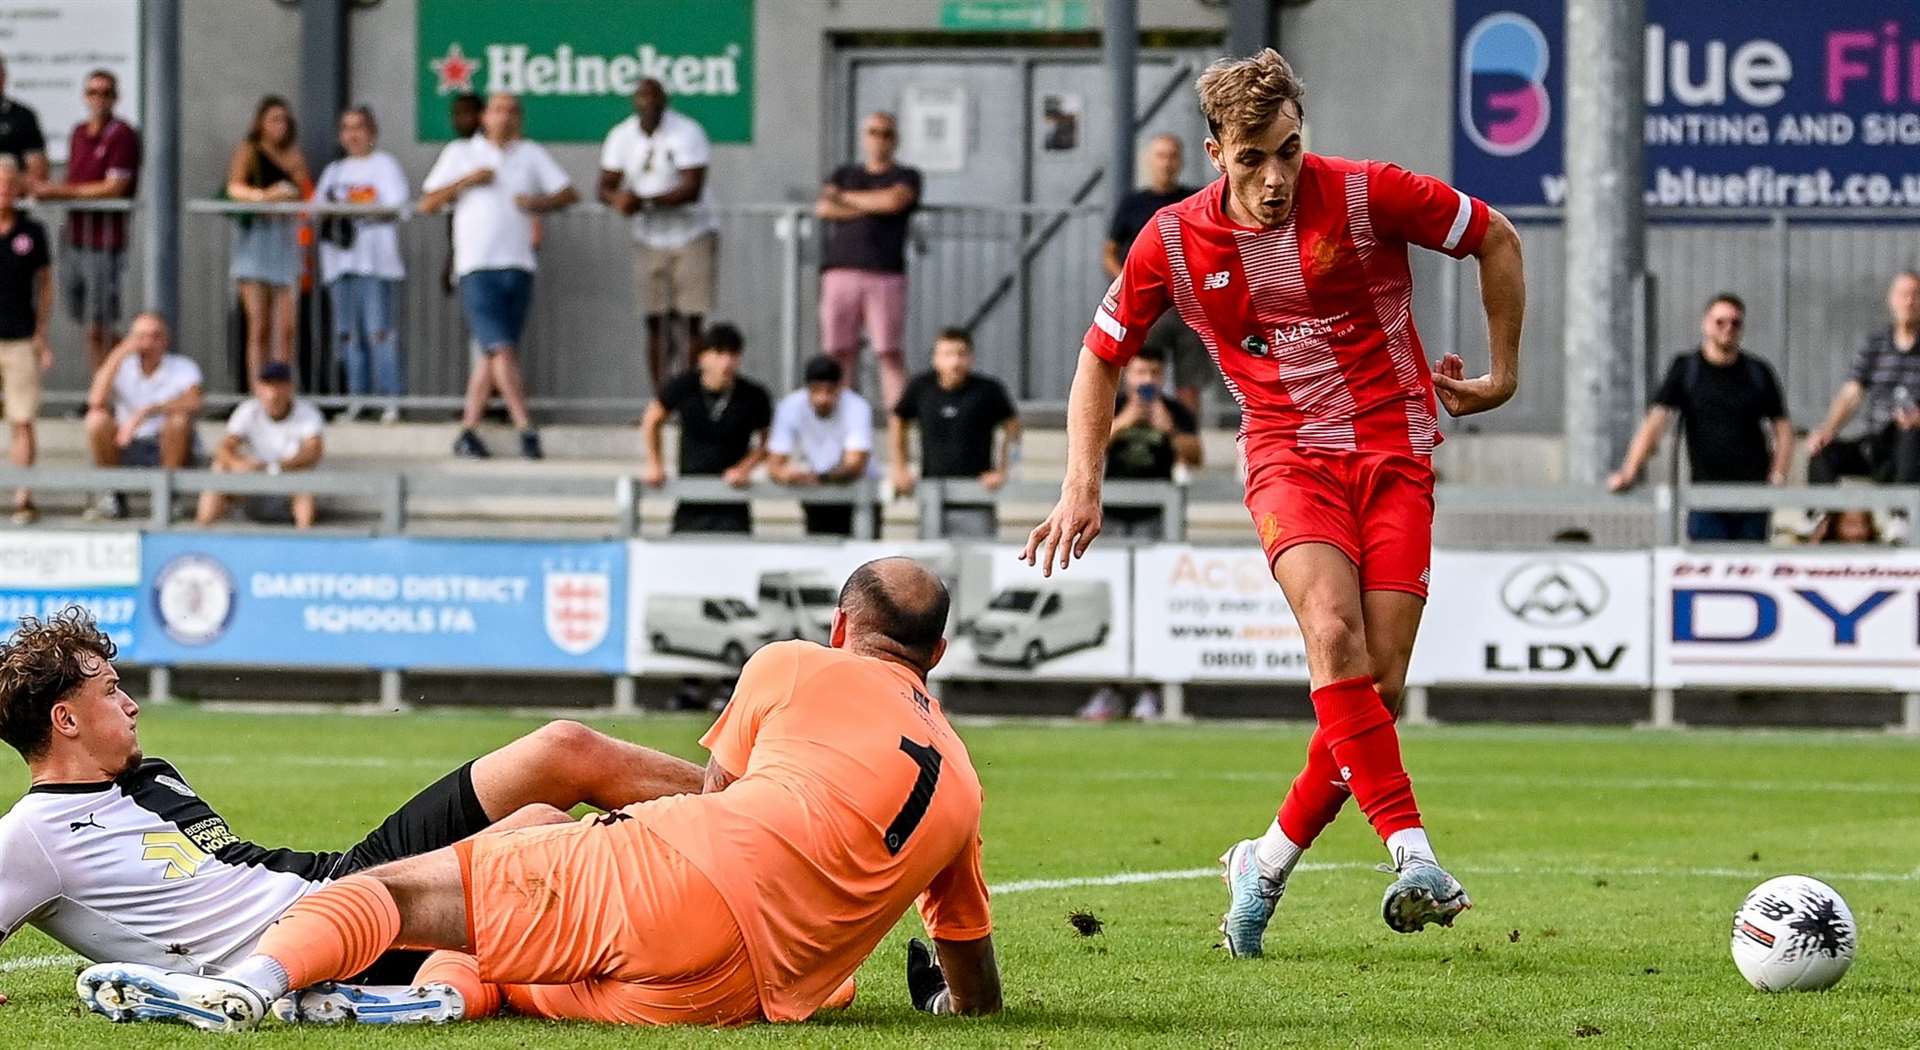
726, 629
1028, 623
799, 604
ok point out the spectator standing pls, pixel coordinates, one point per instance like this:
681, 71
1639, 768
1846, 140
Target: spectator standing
723, 419
26, 303
1886, 379
268, 168
1728, 402
360, 262
653, 167
498, 182
141, 407
958, 411
1151, 433
822, 435
20, 135
1161, 161
863, 268
463, 114
269, 433
103, 163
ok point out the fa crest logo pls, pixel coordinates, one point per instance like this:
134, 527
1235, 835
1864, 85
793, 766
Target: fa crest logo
579, 607
1269, 530
1325, 251
1216, 280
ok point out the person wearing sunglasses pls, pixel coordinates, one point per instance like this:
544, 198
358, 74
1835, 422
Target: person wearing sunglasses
1733, 416
103, 163
863, 269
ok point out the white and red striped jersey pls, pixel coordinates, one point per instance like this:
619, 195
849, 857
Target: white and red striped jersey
1310, 322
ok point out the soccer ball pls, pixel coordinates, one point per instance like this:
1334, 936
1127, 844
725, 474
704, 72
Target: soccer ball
1793, 934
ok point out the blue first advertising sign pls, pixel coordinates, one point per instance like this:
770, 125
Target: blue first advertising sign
382, 603
1778, 104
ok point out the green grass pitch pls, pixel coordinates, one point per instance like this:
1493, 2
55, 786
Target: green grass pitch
1606, 865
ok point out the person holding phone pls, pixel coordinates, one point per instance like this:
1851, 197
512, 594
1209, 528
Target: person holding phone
1151, 432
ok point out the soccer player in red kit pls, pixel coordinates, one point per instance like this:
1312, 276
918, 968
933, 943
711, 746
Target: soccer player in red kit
1292, 268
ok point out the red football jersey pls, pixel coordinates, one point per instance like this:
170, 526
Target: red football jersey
1311, 323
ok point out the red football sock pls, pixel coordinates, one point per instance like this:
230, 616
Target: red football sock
1359, 733
1316, 795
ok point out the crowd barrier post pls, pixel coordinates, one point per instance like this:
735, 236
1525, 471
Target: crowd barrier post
1413, 710
1909, 715
393, 691
159, 685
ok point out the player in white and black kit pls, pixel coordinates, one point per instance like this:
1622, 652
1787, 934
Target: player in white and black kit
114, 855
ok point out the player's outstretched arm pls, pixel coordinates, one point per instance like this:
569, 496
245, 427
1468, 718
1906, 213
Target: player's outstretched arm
954, 977
1503, 293
1075, 520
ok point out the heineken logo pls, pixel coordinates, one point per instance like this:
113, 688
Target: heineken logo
520, 70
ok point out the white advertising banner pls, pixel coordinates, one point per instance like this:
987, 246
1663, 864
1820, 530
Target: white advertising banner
51, 45
1535, 618
1213, 614
42, 573
703, 607
1836, 618
1011, 622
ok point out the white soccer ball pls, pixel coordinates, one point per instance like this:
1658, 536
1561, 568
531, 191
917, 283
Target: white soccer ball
1793, 934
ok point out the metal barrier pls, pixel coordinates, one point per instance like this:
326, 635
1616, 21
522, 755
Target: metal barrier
1000, 271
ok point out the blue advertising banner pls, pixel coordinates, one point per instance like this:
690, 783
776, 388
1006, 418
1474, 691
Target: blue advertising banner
381, 603
42, 573
1774, 104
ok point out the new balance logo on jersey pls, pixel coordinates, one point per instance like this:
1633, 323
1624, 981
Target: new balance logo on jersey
76, 825
1216, 280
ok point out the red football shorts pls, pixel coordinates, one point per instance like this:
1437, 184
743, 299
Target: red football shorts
1376, 507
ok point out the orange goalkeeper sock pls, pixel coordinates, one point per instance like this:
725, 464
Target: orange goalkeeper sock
461, 972
335, 933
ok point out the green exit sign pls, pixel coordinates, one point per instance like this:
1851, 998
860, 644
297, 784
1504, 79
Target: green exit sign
1013, 15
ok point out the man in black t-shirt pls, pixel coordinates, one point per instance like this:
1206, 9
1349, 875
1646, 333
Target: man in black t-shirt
20, 135
26, 304
957, 411
1161, 161
863, 268
1728, 402
1151, 432
723, 430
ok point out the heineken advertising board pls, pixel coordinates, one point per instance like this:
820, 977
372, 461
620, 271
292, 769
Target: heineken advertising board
575, 63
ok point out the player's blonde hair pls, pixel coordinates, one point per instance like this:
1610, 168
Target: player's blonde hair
1244, 95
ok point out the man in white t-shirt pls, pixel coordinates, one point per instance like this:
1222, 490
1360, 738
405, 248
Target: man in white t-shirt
654, 168
269, 433
822, 435
497, 182
141, 407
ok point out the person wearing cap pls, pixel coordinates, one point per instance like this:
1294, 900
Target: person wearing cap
723, 419
822, 435
271, 432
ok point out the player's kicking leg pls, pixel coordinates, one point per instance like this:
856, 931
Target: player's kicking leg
1354, 751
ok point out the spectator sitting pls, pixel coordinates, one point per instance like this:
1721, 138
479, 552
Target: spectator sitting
1845, 526
653, 167
26, 300
958, 411
1886, 378
360, 262
822, 435
863, 268
1162, 160
103, 163
723, 424
1728, 402
141, 407
498, 182
268, 168
20, 135
1151, 432
271, 433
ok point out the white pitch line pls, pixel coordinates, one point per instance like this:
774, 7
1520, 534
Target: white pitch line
1860, 787
39, 962
1127, 878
